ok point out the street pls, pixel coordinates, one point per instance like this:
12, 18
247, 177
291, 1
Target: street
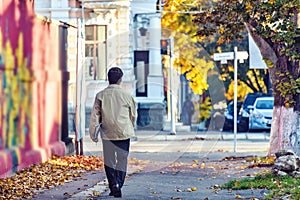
201, 141
188, 165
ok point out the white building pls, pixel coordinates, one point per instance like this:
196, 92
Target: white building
117, 33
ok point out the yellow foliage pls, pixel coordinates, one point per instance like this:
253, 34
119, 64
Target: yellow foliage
242, 91
248, 6
178, 24
221, 30
242, 88
260, 80
205, 109
219, 49
221, 40
230, 68
269, 63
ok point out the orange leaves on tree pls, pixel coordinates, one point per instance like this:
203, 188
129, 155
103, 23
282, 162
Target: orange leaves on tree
177, 23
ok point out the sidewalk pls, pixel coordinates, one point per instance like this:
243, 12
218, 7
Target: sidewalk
168, 168
162, 141
212, 135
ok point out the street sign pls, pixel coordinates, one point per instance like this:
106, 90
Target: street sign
223, 57
242, 55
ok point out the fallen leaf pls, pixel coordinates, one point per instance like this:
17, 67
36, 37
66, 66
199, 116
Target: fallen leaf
202, 165
194, 165
96, 193
67, 194
215, 191
56, 171
236, 183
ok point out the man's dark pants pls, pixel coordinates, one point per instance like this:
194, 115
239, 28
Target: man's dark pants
115, 153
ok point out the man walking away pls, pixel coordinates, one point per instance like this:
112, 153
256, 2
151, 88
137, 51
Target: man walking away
116, 110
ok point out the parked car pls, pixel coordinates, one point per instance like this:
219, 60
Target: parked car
243, 117
261, 112
229, 115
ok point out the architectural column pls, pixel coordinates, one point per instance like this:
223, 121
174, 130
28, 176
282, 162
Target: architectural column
155, 77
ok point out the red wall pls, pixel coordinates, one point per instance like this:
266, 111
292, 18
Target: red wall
30, 90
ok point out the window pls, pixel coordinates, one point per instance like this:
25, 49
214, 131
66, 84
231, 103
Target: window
141, 70
264, 104
95, 52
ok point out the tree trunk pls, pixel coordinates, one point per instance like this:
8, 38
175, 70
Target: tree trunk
285, 130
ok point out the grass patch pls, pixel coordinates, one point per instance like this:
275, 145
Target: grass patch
277, 185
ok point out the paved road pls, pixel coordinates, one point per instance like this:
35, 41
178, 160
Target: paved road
172, 165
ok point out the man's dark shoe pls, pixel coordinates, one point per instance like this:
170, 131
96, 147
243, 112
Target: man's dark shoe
116, 192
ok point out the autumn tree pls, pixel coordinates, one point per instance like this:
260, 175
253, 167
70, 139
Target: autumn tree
189, 59
274, 26
249, 80
194, 55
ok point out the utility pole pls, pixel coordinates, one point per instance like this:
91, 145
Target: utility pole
173, 127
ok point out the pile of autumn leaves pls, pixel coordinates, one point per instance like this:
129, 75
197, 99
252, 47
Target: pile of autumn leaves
55, 171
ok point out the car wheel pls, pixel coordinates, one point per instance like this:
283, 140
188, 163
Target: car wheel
243, 126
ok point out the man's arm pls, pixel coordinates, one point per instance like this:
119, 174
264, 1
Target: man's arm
95, 119
132, 112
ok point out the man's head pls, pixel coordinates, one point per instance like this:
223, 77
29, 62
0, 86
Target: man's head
115, 75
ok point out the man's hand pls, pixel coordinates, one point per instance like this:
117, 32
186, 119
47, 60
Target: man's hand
95, 139
97, 132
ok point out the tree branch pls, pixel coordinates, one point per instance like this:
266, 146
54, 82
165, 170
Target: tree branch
256, 81
250, 85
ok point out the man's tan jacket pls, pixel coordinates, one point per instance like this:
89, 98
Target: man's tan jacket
116, 110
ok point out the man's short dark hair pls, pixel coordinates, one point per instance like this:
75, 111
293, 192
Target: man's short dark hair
114, 75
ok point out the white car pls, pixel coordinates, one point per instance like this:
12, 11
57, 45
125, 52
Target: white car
261, 113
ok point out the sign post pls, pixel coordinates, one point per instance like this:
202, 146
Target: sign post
173, 126
223, 57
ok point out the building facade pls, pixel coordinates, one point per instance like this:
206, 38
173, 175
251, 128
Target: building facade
117, 33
